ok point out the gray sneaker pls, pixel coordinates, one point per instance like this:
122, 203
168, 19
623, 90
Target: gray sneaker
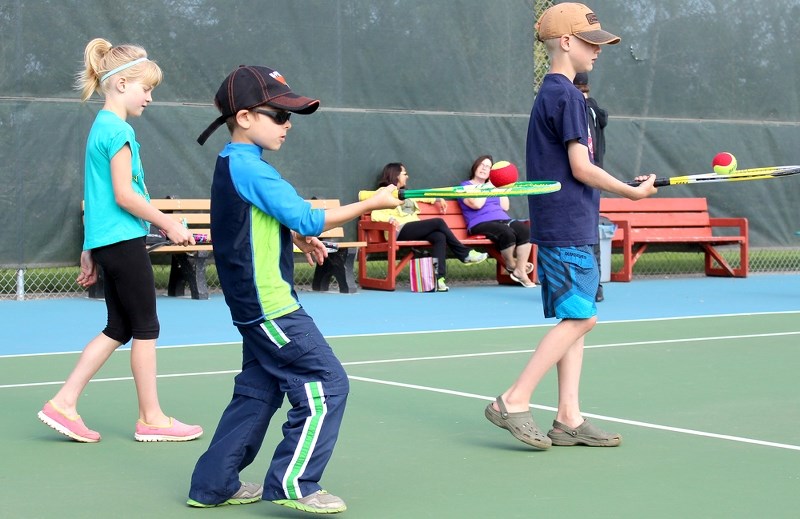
247, 493
474, 257
320, 502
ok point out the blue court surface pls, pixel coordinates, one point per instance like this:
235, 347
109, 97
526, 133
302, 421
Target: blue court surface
65, 325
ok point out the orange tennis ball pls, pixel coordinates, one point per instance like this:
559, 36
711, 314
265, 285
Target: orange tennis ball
503, 174
724, 163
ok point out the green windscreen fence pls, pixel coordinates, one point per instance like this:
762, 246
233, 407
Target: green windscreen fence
430, 84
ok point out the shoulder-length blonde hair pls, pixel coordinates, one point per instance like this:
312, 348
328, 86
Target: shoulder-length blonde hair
100, 57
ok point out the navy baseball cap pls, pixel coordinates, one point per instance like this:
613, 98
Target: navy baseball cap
251, 86
581, 78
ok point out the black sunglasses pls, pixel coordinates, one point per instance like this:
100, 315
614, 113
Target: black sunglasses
279, 117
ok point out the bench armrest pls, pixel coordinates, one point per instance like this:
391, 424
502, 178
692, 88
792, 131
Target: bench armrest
623, 227
740, 223
376, 233
375, 226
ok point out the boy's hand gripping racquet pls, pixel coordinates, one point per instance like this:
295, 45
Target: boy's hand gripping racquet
524, 188
737, 176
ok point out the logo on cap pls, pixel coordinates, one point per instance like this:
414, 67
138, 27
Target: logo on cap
278, 77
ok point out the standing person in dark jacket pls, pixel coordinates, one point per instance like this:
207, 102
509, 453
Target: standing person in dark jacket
598, 119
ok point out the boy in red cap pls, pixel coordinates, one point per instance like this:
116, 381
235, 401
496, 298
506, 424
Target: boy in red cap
564, 226
256, 218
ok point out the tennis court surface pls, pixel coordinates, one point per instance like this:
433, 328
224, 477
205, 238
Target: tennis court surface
698, 374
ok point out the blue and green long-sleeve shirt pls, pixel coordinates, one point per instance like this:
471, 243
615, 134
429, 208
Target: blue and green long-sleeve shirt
253, 211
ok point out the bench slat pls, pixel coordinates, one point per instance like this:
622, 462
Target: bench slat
336, 232
182, 204
192, 218
657, 205
670, 233
324, 204
666, 219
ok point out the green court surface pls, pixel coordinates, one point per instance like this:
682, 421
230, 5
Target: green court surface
709, 409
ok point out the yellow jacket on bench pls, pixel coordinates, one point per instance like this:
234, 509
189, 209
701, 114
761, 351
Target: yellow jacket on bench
406, 212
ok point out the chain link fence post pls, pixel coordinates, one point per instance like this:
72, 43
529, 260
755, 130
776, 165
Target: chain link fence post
540, 61
20, 284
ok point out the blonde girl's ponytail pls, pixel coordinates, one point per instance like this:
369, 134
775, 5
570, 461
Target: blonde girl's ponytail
103, 61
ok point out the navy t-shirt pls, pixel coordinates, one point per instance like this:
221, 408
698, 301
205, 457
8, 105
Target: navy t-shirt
570, 216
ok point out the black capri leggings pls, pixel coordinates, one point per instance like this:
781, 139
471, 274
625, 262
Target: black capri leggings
129, 290
436, 231
504, 233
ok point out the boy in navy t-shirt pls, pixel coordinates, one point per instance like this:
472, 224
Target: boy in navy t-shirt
564, 226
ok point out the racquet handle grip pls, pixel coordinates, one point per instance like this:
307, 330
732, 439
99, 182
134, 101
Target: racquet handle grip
330, 246
660, 182
363, 195
161, 238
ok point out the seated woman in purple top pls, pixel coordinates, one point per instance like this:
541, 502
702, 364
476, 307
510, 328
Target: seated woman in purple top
488, 216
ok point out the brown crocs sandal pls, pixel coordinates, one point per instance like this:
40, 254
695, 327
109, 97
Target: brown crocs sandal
520, 425
584, 434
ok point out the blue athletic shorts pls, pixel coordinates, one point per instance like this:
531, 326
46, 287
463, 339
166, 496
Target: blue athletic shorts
569, 277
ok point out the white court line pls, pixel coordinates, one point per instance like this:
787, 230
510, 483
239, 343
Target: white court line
438, 357
490, 399
122, 379
589, 415
590, 347
636, 423
427, 332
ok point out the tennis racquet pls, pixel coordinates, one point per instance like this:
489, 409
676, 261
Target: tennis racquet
525, 188
738, 176
330, 246
155, 240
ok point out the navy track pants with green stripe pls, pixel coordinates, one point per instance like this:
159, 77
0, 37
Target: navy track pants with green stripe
286, 356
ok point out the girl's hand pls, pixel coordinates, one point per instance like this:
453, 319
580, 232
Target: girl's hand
88, 275
442, 203
180, 235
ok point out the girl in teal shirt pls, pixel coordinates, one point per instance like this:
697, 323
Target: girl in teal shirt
116, 216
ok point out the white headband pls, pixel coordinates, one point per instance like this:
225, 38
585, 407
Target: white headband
121, 68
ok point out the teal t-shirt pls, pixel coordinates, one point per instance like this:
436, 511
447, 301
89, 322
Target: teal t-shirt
104, 221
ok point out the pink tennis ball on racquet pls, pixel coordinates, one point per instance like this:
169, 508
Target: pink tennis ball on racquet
503, 174
724, 163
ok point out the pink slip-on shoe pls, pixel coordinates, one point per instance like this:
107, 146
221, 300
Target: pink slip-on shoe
72, 427
174, 432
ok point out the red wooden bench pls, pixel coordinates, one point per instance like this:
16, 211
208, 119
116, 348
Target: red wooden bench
400, 253
669, 222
